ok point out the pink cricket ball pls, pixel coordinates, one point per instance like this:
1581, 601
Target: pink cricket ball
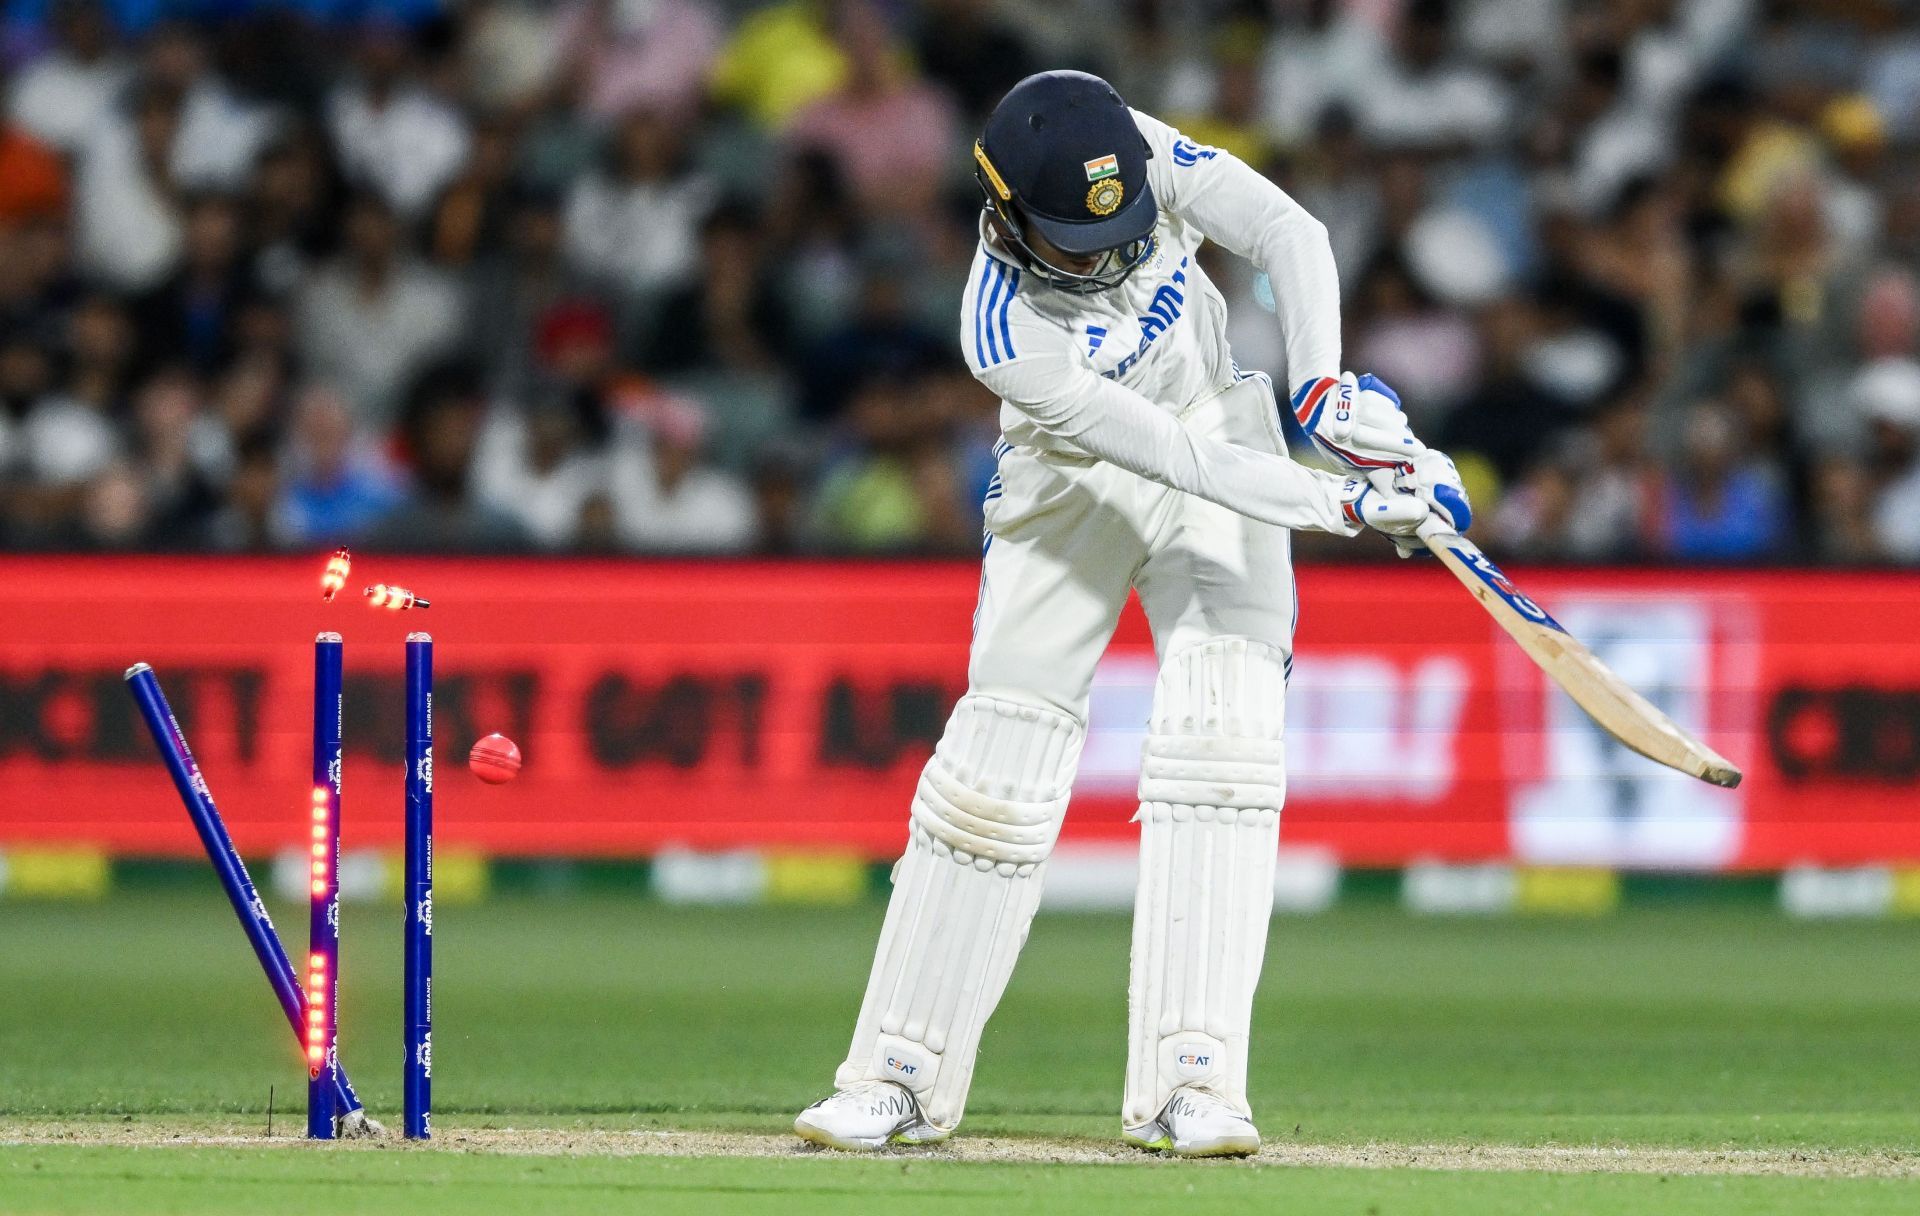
494, 759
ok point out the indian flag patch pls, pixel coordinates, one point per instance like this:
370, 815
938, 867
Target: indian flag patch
1106, 166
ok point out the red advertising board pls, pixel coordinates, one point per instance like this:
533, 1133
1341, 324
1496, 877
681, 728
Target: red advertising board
718, 705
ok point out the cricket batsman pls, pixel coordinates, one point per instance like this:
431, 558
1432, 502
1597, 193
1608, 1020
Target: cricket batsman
1135, 456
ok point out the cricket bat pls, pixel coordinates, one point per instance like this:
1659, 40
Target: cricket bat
1620, 711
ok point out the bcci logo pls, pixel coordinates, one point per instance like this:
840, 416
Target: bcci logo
425, 1055
426, 914
426, 770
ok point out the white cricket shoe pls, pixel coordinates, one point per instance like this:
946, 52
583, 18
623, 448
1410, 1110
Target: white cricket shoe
865, 1116
1195, 1123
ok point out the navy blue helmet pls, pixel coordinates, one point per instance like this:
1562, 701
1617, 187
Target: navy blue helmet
1062, 157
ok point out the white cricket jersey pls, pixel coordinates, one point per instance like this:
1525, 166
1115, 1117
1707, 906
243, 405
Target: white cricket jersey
1109, 375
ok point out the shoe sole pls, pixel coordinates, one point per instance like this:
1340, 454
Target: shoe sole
1165, 1144
813, 1133
1219, 1148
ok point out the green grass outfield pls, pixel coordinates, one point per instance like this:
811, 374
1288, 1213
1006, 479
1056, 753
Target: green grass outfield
1725, 1058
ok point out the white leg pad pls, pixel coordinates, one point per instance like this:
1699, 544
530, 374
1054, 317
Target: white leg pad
1212, 780
985, 816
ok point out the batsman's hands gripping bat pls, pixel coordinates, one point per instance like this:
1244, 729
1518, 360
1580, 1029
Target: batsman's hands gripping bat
1356, 424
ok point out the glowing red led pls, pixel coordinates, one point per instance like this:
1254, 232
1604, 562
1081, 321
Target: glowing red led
335, 575
394, 599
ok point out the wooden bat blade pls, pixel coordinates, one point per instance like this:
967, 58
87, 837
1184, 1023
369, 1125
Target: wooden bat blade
1607, 699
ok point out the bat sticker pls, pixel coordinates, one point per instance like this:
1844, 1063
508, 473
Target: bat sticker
1497, 582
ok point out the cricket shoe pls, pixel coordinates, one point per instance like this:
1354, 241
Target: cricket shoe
1195, 1123
865, 1116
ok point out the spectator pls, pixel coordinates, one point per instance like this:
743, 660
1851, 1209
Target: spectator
515, 284
1587, 495
813, 230
129, 224
664, 498
1890, 398
1319, 61
779, 502
1429, 96
183, 454
1235, 119
441, 430
891, 135
631, 56
338, 486
1402, 334
1719, 503
730, 315
246, 521
636, 221
62, 96
393, 134
374, 317
1843, 523
888, 490
780, 59
473, 213
194, 313
116, 513
220, 134
71, 435
1511, 416
295, 205
973, 52
884, 336
542, 468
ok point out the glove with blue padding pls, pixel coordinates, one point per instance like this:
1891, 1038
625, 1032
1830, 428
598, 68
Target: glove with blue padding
1357, 424
1397, 512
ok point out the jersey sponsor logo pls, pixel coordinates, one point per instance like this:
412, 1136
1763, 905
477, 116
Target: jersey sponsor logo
1498, 583
992, 295
1187, 154
1096, 334
1168, 302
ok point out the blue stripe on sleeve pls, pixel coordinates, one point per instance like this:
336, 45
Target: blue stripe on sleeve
993, 304
1006, 334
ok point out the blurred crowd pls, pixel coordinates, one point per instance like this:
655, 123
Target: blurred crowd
684, 275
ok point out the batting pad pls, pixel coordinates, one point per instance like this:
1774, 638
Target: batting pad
1212, 780
985, 816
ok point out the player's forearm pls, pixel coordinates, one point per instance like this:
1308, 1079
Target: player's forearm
1112, 423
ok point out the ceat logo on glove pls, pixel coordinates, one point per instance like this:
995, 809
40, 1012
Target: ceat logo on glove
1343, 407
